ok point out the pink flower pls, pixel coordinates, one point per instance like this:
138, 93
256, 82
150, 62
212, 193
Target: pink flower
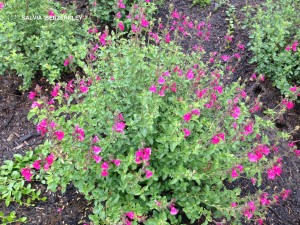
236, 112
187, 117
297, 152
219, 89
102, 38
190, 75
186, 132
104, 173
285, 194
142, 155
289, 105
134, 28
105, 165
66, 62
248, 214
51, 13
153, 89
79, 133
144, 23
119, 127
59, 135
121, 4
42, 127
130, 215
1, 5
96, 149
195, 112
217, 138
294, 46
97, 158
148, 173
248, 129
175, 15
31, 95
233, 204
260, 222
168, 38
117, 162
173, 210
293, 89
96, 139
161, 80
271, 174
50, 159
253, 181
225, 58
118, 15
228, 38
234, 173
83, 88
35, 104
252, 157
241, 46
55, 90
288, 48
147, 1
121, 26
264, 200
26, 173
37, 164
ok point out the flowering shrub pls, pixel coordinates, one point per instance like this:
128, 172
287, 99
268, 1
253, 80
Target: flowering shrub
33, 41
152, 133
274, 42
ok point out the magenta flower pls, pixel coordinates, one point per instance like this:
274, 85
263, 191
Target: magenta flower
186, 132
195, 112
161, 80
97, 158
37, 164
236, 112
264, 199
117, 162
167, 38
121, 4
144, 23
96, 149
153, 89
148, 173
173, 210
219, 89
96, 139
104, 173
105, 165
233, 204
35, 104
79, 132
225, 58
102, 39
248, 214
55, 90
175, 15
119, 127
190, 75
26, 173
134, 28
294, 46
121, 26
59, 135
42, 127
217, 138
83, 88
142, 155
241, 47
253, 181
50, 159
187, 117
293, 89
285, 194
32, 95
130, 215
297, 152
118, 15
288, 48
66, 62
234, 173
1, 5
252, 157
51, 13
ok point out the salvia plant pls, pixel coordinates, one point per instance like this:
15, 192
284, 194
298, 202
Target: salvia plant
274, 42
37, 37
152, 134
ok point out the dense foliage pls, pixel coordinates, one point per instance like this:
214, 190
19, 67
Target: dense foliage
37, 37
274, 42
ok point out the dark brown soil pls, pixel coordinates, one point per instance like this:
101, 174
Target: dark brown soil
71, 207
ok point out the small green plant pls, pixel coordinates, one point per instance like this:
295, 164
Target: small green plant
201, 3
274, 42
40, 37
12, 185
11, 218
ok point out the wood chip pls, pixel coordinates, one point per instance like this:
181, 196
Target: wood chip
10, 137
